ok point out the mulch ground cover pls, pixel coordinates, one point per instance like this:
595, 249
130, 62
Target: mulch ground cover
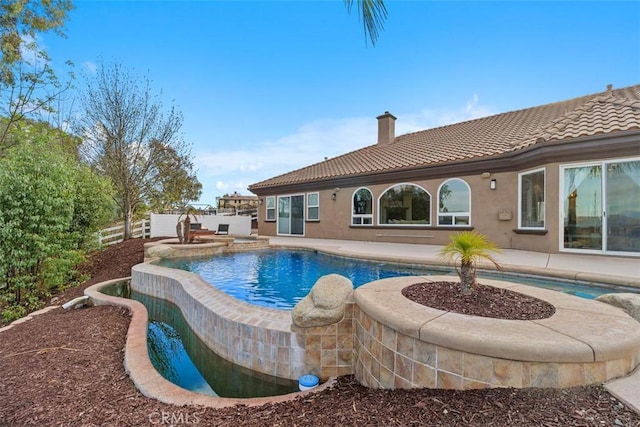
65, 368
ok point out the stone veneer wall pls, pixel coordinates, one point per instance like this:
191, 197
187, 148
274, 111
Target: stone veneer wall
258, 338
386, 358
329, 349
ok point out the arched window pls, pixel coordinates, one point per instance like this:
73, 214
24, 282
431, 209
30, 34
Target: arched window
454, 203
362, 207
405, 204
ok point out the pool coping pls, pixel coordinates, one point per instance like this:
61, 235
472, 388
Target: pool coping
581, 330
149, 381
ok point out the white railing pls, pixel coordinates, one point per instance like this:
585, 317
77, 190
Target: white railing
113, 235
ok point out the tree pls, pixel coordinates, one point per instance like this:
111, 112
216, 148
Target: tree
93, 206
373, 14
469, 248
129, 138
176, 185
28, 84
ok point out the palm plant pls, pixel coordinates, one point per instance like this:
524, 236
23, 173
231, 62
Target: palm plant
467, 248
183, 227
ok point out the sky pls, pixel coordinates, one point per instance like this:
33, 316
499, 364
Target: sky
267, 87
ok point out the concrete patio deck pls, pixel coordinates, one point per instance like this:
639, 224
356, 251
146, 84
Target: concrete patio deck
591, 268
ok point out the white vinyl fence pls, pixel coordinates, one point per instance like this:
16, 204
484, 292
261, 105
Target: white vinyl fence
113, 235
165, 224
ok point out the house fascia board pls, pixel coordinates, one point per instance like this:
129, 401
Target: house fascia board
621, 144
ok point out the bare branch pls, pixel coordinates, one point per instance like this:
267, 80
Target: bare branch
127, 135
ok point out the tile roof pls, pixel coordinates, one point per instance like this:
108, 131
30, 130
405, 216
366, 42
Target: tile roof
602, 113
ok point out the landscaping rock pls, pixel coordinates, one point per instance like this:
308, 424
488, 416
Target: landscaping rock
325, 304
160, 251
627, 301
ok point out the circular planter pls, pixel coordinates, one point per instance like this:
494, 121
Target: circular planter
402, 344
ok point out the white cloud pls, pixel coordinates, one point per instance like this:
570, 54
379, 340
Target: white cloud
472, 103
231, 169
310, 144
430, 118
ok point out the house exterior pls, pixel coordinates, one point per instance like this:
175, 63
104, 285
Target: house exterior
237, 203
561, 177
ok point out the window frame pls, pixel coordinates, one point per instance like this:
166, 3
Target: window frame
603, 200
309, 205
273, 208
454, 215
365, 216
521, 175
413, 224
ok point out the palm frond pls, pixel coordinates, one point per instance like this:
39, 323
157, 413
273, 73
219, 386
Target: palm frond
373, 14
470, 247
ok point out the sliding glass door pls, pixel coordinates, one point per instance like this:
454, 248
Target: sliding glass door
601, 206
291, 215
583, 207
622, 188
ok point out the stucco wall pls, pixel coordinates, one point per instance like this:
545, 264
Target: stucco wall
486, 206
335, 215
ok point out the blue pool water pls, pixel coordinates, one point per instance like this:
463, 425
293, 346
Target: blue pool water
182, 358
280, 278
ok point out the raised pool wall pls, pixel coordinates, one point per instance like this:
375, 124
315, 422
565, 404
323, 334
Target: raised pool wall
388, 341
257, 338
205, 246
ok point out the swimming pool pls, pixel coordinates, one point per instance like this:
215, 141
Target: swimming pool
182, 358
279, 278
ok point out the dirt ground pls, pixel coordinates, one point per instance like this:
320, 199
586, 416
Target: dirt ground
65, 368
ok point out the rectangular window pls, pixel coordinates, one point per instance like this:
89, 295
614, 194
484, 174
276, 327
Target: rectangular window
313, 207
271, 208
531, 189
362, 220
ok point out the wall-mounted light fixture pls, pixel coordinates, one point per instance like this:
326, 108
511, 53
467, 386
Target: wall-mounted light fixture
335, 193
261, 201
492, 184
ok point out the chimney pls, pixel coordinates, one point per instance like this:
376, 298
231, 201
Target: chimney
386, 128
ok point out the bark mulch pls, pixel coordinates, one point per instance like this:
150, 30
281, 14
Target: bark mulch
65, 368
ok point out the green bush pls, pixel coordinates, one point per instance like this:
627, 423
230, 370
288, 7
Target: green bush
49, 206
